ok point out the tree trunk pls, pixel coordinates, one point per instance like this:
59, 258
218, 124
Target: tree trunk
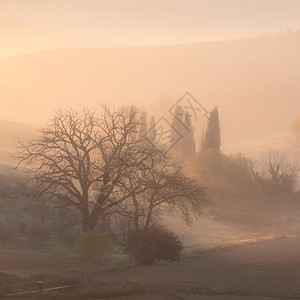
140, 255
85, 223
95, 215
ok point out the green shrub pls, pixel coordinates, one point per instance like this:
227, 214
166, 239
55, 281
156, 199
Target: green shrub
156, 244
92, 248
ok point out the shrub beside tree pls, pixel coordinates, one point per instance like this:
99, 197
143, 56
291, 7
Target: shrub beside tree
93, 248
157, 244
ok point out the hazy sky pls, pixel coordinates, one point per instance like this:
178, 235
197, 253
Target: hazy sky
32, 25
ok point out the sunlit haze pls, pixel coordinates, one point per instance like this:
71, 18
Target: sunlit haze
33, 25
150, 149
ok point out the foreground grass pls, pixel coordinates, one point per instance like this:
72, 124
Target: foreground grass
8, 278
21, 245
85, 291
89, 287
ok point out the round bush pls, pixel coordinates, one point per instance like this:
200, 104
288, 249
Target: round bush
155, 244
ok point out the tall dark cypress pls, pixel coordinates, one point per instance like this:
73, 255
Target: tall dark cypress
176, 126
212, 138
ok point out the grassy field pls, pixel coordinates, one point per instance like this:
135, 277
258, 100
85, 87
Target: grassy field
266, 269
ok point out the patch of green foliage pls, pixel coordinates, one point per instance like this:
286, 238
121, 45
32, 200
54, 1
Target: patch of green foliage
157, 244
93, 247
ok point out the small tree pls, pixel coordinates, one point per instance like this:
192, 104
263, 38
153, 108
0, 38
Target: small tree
206, 166
238, 171
278, 173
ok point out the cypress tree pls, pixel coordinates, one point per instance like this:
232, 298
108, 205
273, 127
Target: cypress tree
152, 130
212, 138
176, 125
133, 111
143, 125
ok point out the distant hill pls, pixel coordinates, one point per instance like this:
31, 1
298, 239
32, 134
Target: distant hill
255, 82
9, 131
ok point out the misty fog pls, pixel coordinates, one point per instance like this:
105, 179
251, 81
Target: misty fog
150, 150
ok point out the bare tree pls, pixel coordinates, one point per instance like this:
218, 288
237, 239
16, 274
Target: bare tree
159, 186
279, 172
81, 159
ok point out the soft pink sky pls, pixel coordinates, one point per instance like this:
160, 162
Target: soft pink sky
33, 25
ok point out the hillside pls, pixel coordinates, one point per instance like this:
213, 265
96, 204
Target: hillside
251, 80
9, 132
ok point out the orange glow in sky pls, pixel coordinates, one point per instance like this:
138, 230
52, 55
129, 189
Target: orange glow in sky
33, 25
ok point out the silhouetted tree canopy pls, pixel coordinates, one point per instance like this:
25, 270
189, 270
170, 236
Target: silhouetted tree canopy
97, 162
